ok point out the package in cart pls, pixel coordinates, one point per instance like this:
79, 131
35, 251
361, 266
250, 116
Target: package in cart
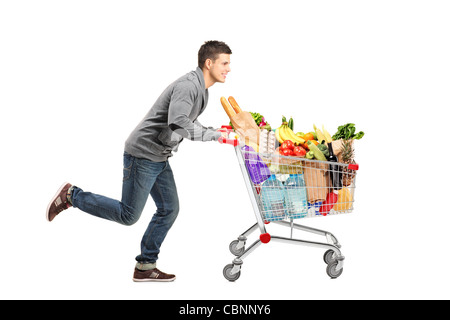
295, 196
273, 199
317, 180
242, 121
258, 170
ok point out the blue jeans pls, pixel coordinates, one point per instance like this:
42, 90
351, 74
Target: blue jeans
141, 177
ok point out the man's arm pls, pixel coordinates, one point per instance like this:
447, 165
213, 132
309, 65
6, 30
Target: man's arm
182, 101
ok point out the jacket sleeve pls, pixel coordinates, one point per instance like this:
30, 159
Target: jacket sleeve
180, 107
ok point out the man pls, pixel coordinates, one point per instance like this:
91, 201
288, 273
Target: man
146, 167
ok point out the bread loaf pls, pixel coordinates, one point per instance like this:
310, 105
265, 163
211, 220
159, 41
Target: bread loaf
234, 104
227, 107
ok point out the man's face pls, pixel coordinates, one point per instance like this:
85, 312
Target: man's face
220, 68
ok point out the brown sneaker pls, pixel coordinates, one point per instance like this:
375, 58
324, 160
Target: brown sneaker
59, 202
151, 275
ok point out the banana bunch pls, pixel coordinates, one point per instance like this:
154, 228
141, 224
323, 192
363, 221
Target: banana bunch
322, 135
284, 133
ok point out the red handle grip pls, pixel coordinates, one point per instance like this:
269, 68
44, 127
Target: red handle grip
225, 129
233, 142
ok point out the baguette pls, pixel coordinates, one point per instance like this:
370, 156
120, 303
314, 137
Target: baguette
227, 107
234, 104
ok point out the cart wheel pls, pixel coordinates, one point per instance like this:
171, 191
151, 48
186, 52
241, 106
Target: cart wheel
233, 250
331, 270
227, 273
328, 256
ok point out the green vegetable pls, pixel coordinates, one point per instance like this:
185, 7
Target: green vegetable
291, 124
359, 135
309, 155
257, 117
347, 132
324, 149
317, 153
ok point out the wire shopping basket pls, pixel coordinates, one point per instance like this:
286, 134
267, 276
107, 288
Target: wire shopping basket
285, 188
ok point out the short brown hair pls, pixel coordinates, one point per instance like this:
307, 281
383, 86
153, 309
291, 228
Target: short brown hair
211, 50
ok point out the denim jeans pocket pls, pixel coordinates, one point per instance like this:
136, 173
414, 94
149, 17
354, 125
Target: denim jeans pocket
128, 161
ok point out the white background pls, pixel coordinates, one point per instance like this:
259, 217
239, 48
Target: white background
77, 76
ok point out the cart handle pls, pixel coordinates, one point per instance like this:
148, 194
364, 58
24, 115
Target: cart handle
222, 140
225, 129
233, 142
353, 166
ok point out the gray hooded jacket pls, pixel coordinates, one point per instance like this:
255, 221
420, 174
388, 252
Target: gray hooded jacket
172, 118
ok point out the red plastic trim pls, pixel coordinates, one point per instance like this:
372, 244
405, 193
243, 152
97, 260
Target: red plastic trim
353, 166
233, 142
264, 237
226, 127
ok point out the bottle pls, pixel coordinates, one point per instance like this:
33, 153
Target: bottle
272, 195
335, 170
295, 196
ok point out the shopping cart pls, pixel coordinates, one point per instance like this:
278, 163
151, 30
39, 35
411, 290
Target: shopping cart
284, 188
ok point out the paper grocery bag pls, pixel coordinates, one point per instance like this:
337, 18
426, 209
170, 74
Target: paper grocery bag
247, 129
337, 148
317, 180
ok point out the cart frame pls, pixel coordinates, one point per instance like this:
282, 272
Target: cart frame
332, 257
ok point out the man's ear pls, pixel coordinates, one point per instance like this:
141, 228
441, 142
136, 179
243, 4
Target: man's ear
208, 64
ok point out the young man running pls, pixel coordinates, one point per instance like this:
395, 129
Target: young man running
146, 168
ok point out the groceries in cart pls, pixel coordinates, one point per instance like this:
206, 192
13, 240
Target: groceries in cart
296, 197
257, 169
273, 199
295, 174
